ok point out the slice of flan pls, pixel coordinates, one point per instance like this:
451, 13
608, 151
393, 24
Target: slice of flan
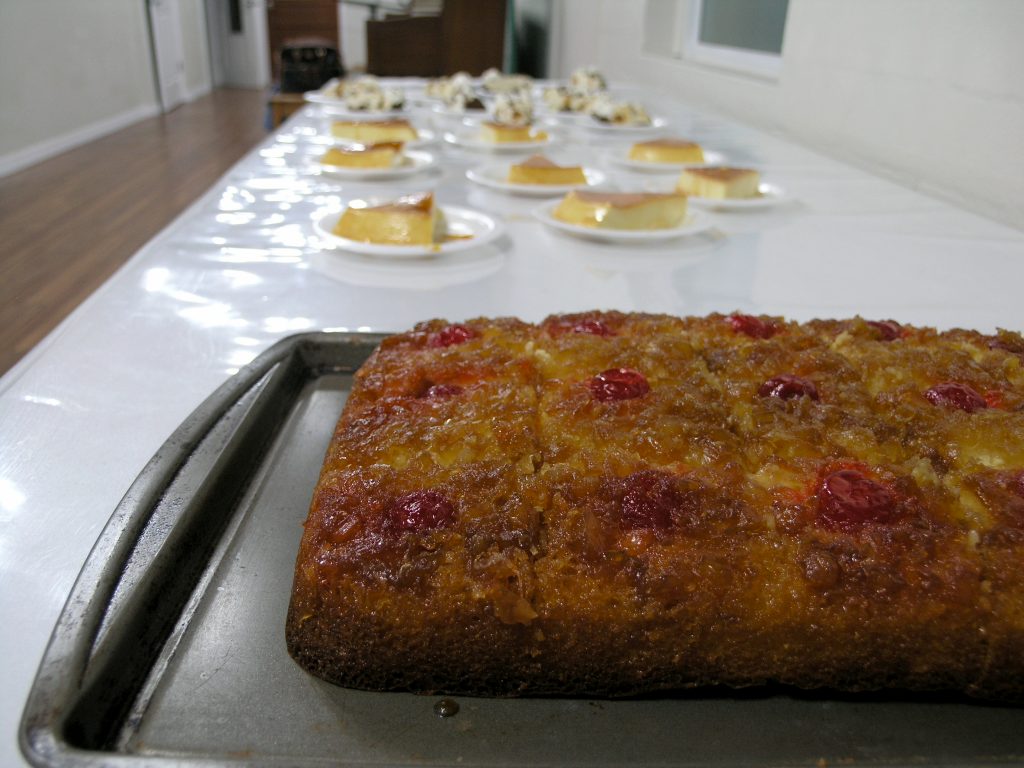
667, 151
618, 210
719, 182
409, 220
383, 155
374, 131
502, 133
539, 169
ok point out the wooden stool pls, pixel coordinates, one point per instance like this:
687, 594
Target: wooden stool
282, 105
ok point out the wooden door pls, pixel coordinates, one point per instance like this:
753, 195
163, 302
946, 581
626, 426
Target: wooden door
169, 52
290, 20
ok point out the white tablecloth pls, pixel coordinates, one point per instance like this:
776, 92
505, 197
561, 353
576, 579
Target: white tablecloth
82, 414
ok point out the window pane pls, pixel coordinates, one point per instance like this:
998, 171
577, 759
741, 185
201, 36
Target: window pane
756, 26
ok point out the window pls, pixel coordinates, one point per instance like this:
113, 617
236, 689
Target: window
734, 34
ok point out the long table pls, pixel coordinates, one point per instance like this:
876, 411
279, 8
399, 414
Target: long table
242, 268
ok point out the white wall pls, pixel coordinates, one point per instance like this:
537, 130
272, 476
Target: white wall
929, 92
73, 71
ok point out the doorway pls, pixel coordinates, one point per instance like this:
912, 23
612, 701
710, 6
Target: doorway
239, 48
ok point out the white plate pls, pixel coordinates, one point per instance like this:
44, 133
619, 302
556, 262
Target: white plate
413, 162
770, 196
469, 138
620, 156
657, 124
695, 223
460, 221
494, 176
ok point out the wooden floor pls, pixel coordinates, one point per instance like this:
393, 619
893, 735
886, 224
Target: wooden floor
68, 223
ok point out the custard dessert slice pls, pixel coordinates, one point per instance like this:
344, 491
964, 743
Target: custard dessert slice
719, 182
667, 151
374, 131
502, 133
538, 169
617, 210
383, 155
409, 220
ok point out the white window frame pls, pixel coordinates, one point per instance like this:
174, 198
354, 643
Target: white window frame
690, 47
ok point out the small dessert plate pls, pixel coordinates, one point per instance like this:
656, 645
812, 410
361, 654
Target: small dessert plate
466, 228
444, 110
410, 163
620, 156
495, 176
469, 138
769, 196
695, 223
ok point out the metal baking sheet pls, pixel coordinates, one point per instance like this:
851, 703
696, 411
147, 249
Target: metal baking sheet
171, 648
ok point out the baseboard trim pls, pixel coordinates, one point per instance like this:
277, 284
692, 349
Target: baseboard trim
44, 150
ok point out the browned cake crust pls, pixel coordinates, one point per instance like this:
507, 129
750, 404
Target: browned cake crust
608, 504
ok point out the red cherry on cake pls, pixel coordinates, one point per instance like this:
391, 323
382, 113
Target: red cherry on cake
1018, 486
952, 394
618, 384
441, 391
848, 499
421, 511
787, 386
451, 335
649, 501
593, 327
889, 330
754, 327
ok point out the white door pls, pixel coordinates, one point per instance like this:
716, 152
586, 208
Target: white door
169, 51
238, 41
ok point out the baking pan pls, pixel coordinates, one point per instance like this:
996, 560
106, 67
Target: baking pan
170, 650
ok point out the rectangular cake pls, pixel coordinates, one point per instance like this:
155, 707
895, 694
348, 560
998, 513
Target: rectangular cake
612, 504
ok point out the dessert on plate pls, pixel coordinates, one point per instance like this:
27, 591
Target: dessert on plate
622, 210
493, 132
538, 169
374, 131
457, 92
409, 220
606, 110
495, 81
667, 150
609, 504
587, 80
383, 155
366, 94
720, 182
